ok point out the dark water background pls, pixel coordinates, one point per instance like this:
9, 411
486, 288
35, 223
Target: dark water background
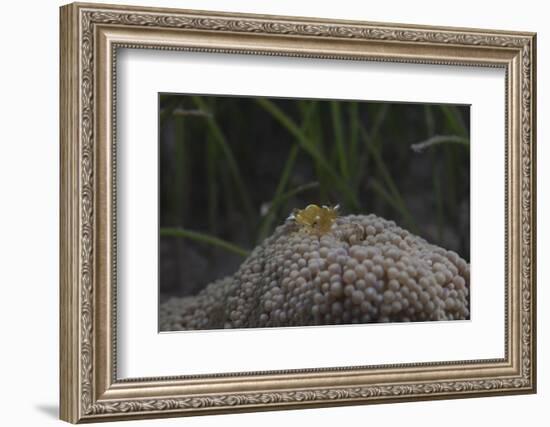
232, 169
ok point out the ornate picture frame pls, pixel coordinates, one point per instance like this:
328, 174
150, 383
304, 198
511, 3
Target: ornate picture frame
90, 37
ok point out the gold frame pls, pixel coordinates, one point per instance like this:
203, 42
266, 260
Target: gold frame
90, 36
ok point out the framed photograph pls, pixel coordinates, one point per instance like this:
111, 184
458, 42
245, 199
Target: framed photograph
265, 212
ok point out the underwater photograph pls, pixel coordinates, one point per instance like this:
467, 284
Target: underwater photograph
277, 212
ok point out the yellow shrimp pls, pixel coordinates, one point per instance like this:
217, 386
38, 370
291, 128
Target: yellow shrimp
314, 219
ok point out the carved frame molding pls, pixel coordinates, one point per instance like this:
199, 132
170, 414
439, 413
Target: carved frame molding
90, 36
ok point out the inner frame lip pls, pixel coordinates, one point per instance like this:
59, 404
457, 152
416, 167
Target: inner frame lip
365, 58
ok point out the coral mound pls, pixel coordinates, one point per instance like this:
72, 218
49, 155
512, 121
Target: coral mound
366, 269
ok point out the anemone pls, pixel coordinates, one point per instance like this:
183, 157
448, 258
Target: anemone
365, 269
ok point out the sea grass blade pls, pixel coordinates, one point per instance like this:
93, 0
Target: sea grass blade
203, 238
303, 141
397, 199
226, 149
339, 139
